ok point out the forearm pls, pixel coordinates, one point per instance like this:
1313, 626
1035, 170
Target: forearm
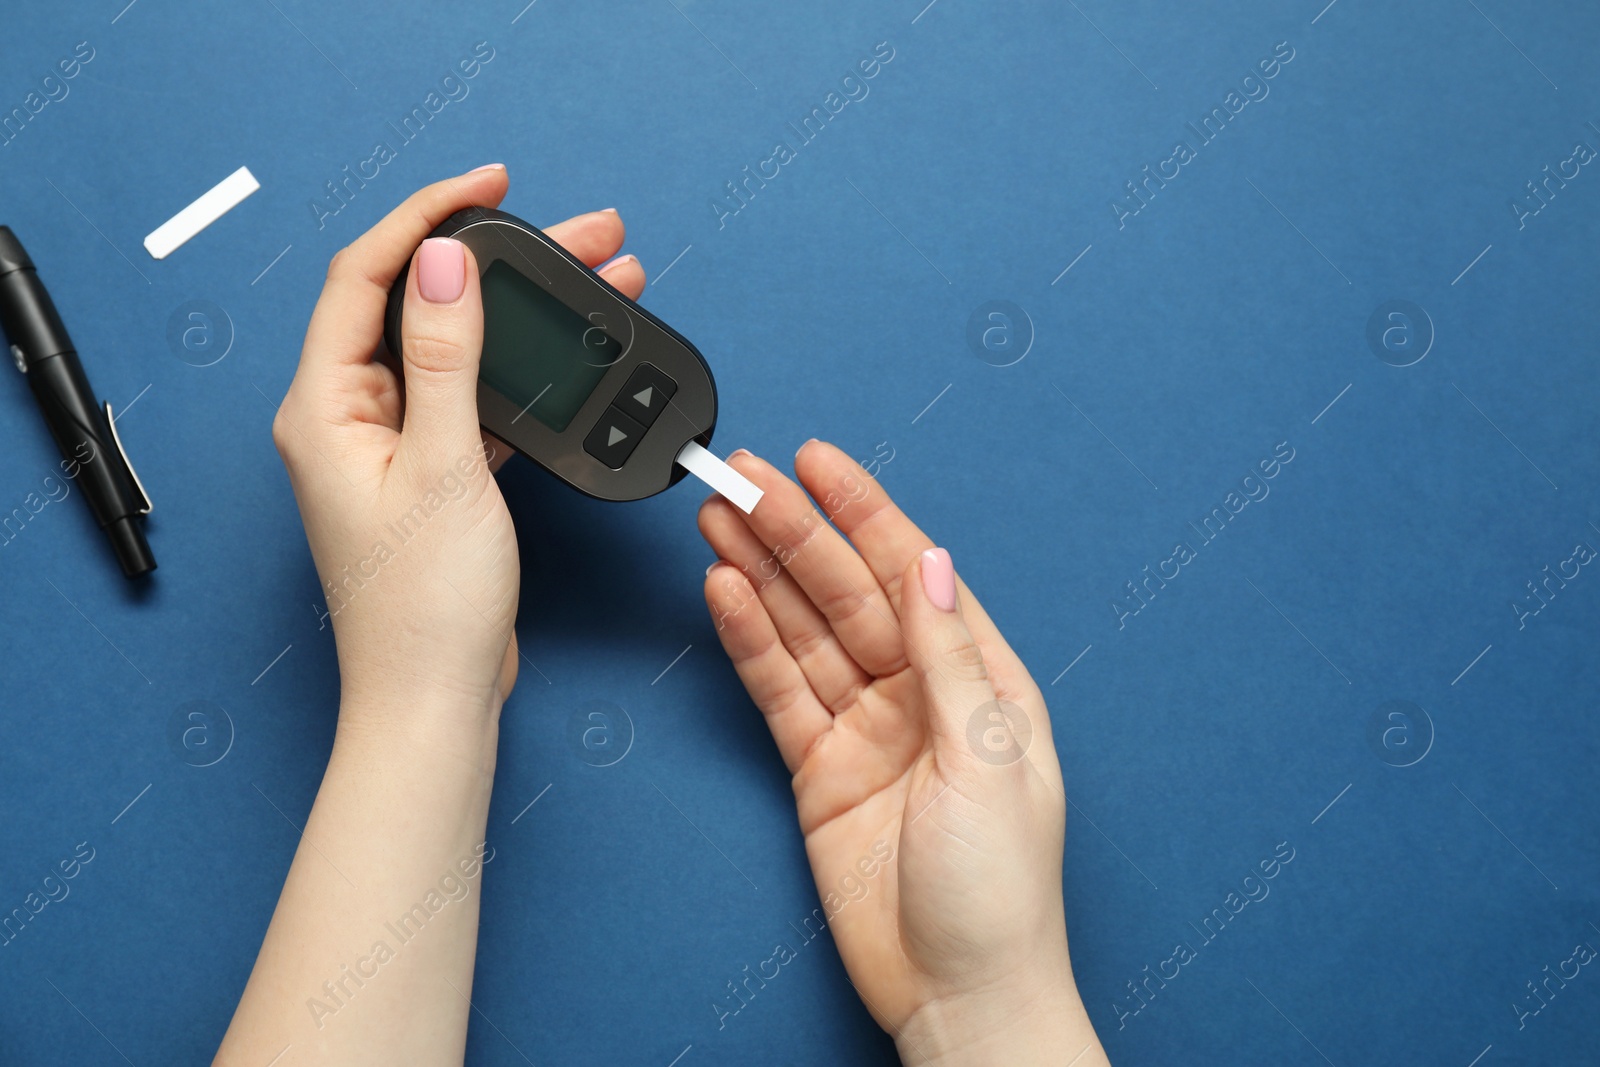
369, 955
1033, 1022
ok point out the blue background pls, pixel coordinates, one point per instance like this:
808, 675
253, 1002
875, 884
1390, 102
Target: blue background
1219, 321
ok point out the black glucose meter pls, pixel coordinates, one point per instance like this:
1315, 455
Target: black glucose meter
575, 376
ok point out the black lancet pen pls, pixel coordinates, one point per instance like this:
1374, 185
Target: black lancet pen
85, 433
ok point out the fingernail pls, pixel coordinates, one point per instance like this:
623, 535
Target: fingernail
714, 564
610, 209
802, 448
739, 452
629, 257
939, 579
488, 166
441, 270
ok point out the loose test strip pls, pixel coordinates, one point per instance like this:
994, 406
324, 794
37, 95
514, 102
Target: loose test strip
212, 205
741, 492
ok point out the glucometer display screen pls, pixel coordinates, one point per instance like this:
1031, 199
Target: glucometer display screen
537, 352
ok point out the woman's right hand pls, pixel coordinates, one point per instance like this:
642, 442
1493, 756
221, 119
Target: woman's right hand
925, 777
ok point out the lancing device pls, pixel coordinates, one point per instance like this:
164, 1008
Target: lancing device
576, 376
85, 433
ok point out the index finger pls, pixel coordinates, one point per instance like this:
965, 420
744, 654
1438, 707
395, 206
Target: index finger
347, 324
888, 540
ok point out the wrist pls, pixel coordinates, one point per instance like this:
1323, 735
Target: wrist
1029, 1019
392, 723
392, 677
366, 696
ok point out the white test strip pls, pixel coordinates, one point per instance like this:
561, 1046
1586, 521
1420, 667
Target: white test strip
212, 205
741, 492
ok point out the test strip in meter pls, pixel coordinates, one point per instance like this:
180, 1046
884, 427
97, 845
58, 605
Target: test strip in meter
740, 491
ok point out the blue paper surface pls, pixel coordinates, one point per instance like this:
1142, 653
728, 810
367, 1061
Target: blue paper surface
1379, 660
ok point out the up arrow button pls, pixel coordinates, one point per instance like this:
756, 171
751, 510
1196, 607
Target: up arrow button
646, 394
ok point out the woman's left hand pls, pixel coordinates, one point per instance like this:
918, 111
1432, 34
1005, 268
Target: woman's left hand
410, 536
418, 559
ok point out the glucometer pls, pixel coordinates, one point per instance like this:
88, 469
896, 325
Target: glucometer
576, 376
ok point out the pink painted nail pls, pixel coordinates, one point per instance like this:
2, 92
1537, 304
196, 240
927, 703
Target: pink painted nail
619, 261
488, 166
441, 270
939, 578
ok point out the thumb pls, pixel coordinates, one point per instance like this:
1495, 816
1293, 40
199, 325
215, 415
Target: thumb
969, 725
441, 337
